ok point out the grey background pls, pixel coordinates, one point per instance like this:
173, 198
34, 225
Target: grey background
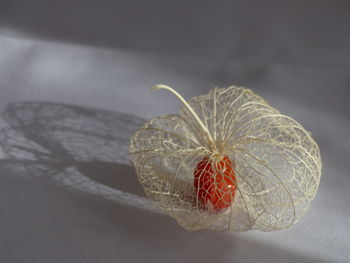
67, 190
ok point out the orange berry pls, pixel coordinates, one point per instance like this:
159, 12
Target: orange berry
215, 183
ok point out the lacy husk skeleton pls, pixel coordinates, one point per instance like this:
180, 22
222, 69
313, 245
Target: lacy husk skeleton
277, 165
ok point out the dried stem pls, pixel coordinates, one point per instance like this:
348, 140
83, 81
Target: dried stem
196, 117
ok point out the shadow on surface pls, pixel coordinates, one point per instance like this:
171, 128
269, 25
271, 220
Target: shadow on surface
86, 150
154, 25
216, 43
76, 147
187, 27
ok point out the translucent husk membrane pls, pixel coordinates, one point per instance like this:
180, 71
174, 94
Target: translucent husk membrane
277, 164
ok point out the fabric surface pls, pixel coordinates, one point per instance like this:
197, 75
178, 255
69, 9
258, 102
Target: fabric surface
74, 85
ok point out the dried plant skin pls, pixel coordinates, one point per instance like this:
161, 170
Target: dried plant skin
277, 164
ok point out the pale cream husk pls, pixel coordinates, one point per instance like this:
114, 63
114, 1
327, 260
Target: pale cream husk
277, 163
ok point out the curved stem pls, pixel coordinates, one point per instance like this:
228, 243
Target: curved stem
184, 102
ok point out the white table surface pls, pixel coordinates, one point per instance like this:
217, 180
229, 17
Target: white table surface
74, 84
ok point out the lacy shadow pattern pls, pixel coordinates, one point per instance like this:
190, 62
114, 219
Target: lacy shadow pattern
76, 147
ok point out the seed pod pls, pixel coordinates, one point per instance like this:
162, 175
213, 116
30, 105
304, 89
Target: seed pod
228, 161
